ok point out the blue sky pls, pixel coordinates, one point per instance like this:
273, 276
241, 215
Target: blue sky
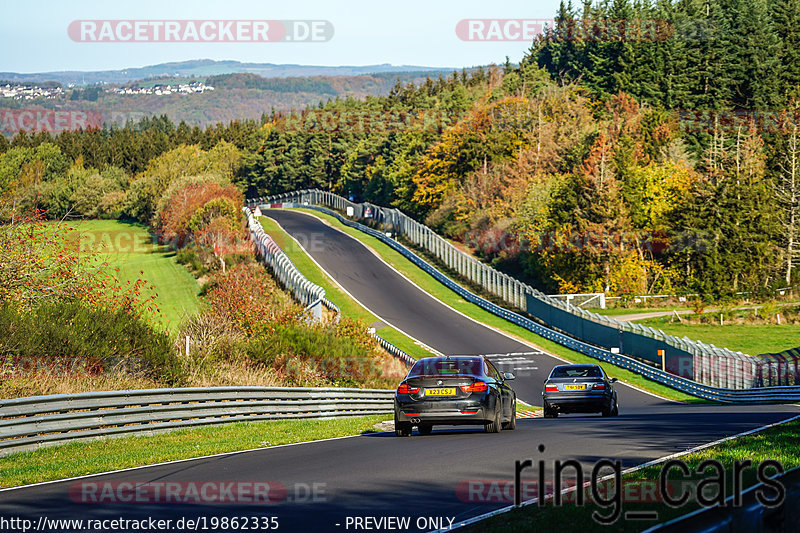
33, 34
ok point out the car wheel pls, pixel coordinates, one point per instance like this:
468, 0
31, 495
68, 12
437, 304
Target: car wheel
495, 425
608, 410
550, 412
425, 429
512, 424
615, 412
401, 429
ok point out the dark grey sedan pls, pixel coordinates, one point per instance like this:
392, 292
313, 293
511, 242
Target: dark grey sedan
579, 389
454, 390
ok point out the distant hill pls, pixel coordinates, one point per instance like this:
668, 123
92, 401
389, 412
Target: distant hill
201, 68
235, 96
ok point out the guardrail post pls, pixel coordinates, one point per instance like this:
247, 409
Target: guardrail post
316, 309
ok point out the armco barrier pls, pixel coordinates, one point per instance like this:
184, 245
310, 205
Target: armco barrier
283, 269
704, 363
38, 421
695, 359
306, 292
737, 371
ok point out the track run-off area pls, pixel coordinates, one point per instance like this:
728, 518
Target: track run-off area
378, 481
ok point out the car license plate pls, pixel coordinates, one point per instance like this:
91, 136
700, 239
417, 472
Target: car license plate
440, 392
573, 387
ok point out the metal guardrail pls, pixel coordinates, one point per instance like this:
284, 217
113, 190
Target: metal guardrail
34, 422
285, 271
516, 293
395, 351
38, 421
708, 364
721, 394
388, 346
749, 517
304, 290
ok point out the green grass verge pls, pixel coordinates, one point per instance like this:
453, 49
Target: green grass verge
347, 305
83, 458
781, 443
130, 248
617, 311
430, 285
523, 408
751, 339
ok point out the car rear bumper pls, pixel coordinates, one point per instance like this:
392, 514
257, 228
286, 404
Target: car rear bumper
455, 412
584, 401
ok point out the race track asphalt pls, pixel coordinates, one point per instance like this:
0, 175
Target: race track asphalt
357, 481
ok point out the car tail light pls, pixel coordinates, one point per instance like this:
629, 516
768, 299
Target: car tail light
551, 388
406, 389
478, 386
599, 386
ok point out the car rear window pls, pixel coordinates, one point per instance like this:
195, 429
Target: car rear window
576, 372
446, 367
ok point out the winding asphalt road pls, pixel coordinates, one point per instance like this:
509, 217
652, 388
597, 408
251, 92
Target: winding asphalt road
357, 483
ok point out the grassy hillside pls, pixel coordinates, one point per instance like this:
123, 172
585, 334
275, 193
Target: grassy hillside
130, 249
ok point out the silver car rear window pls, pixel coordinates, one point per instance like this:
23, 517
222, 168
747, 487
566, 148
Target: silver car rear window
576, 372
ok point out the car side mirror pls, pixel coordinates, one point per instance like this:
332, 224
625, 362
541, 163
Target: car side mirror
508, 375
612, 380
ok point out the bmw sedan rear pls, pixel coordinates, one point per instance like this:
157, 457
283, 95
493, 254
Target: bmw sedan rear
454, 391
579, 389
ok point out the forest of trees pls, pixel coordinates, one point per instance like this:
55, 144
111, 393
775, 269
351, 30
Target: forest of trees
581, 151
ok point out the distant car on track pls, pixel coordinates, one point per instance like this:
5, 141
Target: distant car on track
454, 390
579, 389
